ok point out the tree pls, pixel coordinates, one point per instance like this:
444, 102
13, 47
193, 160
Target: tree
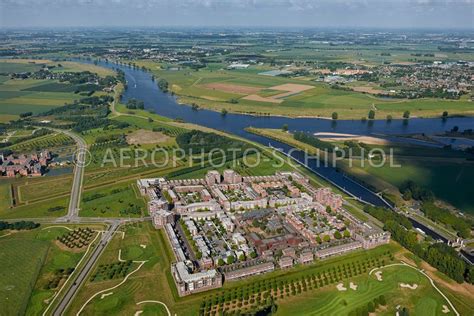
253, 255
326, 238
334, 115
406, 114
220, 262
445, 114
242, 257
371, 307
347, 234
284, 127
224, 112
389, 118
337, 235
230, 259
371, 115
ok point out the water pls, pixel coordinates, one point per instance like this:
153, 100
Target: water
141, 86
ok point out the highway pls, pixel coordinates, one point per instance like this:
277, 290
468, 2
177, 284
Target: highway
81, 277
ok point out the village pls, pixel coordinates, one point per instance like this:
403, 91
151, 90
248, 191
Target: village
228, 227
32, 165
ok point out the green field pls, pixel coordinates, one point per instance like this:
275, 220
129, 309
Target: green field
30, 260
450, 182
19, 96
19, 271
422, 301
120, 200
153, 282
16, 96
321, 101
148, 283
44, 188
53, 207
446, 172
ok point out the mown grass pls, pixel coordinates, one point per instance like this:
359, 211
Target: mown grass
54, 207
329, 301
43, 188
120, 200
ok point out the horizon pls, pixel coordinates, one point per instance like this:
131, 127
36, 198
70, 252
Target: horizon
399, 14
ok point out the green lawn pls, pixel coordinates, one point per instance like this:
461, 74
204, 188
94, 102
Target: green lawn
21, 261
30, 260
45, 187
55, 207
141, 242
329, 301
120, 200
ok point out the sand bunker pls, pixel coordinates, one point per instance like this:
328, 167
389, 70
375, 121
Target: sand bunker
137, 313
353, 286
340, 287
445, 309
412, 287
143, 246
105, 295
378, 275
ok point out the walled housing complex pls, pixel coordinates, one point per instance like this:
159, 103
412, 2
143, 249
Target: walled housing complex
228, 227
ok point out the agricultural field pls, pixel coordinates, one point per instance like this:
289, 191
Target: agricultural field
245, 91
30, 277
31, 95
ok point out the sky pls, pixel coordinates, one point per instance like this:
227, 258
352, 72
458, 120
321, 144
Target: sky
272, 13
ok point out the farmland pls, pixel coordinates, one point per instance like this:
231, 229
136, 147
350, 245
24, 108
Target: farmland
34, 95
238, 91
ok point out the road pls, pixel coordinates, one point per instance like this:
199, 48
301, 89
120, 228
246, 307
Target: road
81, 277
81, 156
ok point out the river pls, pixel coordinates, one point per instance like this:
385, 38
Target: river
142, 87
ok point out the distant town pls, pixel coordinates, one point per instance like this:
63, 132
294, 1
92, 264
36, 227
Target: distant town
227, 227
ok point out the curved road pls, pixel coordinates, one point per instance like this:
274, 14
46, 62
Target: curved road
80, 156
